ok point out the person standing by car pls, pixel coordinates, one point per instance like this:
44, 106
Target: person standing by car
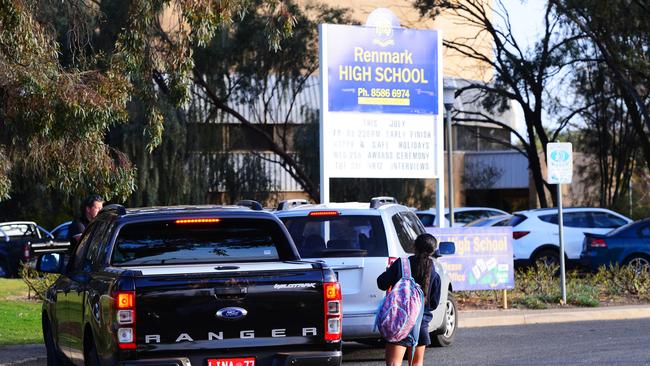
90, 207
425, 275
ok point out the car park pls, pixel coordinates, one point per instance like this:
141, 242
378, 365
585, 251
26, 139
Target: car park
627, 245
359, 241
462, 215
536, 235
210, 285
16, 240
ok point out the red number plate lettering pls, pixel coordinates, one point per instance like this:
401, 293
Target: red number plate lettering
246, 361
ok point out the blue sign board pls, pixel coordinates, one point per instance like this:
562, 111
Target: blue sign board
483, 258
382, 70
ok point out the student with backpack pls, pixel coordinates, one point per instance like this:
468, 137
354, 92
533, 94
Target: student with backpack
420, 268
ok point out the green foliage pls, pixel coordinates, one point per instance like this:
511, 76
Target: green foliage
538, 287
623, 281
67, 73
37, 282
539, 279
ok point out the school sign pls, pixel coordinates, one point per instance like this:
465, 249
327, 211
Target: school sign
381, 90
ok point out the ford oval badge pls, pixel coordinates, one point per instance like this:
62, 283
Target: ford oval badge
231, 313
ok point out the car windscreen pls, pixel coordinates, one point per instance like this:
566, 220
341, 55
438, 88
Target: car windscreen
19, 231
628, 229
190, 242
513, 221
338, 236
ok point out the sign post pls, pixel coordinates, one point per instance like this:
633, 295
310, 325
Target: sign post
559, 160
381, 88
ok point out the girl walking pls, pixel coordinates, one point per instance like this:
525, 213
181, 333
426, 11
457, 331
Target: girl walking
425, 275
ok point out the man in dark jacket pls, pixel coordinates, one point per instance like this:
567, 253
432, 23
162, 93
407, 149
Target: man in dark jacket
90, 207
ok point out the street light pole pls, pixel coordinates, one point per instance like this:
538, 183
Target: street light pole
450, 167
449, 94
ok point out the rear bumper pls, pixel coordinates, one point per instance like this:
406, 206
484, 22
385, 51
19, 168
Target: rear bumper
311, 358
359, 326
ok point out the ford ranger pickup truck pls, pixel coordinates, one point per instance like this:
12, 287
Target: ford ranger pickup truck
206, 286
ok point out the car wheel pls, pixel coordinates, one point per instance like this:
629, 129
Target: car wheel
54, 357
91, 358
639, 262
547, 257
451, 324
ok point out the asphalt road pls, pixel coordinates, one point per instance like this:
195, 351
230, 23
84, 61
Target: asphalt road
616, 342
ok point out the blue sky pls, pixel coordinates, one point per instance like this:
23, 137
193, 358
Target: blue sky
526, 21
526, 18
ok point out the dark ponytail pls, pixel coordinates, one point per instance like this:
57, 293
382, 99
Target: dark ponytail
425, 245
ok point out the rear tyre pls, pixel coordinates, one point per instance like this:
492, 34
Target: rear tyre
91, 357
446, 338
54, 357
547, 257
639, 262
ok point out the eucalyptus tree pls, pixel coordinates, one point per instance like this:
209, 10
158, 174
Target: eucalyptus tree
615, 83
60, 92
520, 76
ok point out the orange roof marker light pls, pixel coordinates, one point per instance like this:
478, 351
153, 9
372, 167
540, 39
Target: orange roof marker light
198, 221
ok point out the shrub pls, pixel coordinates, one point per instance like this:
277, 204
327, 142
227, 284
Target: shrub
37, 282
623, 281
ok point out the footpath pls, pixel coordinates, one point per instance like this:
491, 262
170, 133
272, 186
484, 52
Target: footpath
34, 354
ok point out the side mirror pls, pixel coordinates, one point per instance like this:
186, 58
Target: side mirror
445, 248
50, 263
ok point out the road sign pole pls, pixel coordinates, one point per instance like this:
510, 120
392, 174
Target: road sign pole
560, 220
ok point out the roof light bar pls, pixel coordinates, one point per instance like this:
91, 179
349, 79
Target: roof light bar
198, 221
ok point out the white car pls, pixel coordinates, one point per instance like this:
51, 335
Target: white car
536, 235
462, 215
359, 241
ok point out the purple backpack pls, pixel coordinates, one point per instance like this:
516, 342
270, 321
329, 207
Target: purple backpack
400, 315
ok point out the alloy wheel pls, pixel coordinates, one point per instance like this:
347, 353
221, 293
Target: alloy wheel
450, 315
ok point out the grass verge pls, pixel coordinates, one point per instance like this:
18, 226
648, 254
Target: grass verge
20, 318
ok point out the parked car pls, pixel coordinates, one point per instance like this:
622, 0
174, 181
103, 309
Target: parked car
627, 245
536, 235
16, 238
60, 232
490, 221
359, 241
185, 285
462, 215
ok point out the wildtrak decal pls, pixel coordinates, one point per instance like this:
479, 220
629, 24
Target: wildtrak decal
283, 286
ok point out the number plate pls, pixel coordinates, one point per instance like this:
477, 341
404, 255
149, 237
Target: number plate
245, 361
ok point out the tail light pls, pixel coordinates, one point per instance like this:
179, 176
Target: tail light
26, 252
519, 234
333, 311
597, 243
125, 318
